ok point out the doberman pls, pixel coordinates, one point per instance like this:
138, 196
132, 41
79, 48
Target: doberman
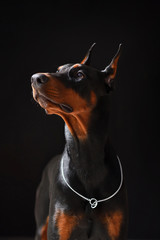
82, 194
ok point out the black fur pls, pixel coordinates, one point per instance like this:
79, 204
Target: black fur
90, 167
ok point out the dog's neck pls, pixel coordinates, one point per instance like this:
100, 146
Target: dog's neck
87, 155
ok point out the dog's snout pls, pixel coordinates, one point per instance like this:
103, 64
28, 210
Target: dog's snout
39, 78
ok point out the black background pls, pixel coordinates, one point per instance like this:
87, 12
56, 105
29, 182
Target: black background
40, 37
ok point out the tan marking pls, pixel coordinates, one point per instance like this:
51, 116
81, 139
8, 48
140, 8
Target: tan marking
114, 67
44, 230
76, 65
113, 223
66, 224
85, 58
78, 120
33, 92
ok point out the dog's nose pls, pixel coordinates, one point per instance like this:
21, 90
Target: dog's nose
39, 78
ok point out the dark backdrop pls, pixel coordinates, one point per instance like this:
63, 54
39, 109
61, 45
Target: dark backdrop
39, 37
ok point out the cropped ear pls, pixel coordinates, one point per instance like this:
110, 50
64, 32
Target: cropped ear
111, 69
87, 58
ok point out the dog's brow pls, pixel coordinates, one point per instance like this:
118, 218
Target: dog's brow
76, 65
60, 67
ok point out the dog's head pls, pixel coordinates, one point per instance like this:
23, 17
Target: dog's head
74, 88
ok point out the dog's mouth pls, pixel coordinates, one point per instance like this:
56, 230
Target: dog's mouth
49, 104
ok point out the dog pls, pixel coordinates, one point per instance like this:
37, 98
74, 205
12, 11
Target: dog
82, 194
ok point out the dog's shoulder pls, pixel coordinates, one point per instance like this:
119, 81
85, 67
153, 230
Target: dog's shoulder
52, 167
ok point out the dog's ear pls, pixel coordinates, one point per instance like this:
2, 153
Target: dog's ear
87, 58
111, 69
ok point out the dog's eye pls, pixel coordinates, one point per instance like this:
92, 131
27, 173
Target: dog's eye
79, 76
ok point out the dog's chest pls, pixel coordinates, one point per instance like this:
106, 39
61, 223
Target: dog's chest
87, 226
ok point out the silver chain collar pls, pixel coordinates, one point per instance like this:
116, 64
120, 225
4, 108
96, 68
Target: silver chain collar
93, 201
